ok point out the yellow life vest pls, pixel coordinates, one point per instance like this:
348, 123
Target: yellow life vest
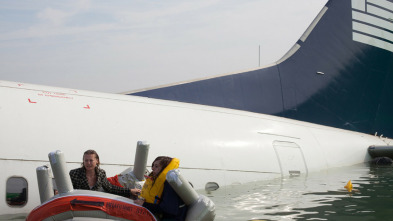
152, 193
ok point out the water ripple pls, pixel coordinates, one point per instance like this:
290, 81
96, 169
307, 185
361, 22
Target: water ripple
317, 196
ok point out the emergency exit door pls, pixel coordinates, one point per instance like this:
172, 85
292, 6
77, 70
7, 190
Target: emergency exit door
290, 158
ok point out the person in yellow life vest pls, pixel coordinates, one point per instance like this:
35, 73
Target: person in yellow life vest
158, 195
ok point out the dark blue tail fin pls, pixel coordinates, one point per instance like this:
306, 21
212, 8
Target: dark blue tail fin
338, 74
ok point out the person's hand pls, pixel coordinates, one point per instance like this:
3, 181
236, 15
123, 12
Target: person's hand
135, 191
139, 202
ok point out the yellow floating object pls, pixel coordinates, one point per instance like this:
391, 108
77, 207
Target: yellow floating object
349, 186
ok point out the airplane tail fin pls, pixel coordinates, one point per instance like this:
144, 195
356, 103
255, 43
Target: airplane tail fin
338, 74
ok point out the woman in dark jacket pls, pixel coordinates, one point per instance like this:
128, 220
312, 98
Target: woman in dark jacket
91, 177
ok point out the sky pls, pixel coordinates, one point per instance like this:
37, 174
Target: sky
125, 45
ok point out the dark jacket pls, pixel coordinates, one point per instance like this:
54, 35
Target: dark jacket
79, 181
170, 207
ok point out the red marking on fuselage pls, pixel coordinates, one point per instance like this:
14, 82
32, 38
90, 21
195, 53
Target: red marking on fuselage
20, 85
87, 107
32, 101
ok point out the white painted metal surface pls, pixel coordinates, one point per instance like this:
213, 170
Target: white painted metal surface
213, 144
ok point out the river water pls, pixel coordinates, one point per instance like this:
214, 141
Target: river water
316, 196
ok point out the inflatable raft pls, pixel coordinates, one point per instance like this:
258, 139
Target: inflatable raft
70, 203
93, 204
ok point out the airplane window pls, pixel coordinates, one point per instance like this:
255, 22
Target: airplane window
16, 191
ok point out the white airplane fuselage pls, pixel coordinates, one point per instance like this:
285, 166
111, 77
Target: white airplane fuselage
213, 144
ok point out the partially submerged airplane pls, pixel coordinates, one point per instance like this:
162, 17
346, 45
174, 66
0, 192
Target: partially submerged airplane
338, 74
